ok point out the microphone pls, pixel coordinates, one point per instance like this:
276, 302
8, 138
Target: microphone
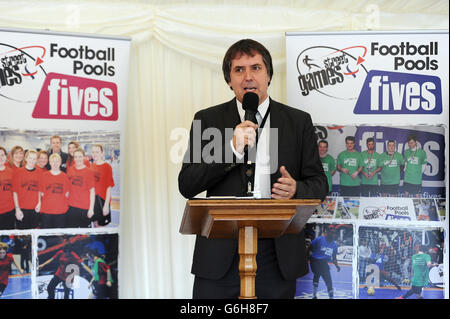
250, 105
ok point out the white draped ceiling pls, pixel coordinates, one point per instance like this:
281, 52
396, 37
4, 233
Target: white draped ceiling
175, 70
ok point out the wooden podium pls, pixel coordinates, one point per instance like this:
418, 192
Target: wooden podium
247, 220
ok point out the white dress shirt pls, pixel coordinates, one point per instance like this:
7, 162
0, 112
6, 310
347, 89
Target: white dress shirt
262, 187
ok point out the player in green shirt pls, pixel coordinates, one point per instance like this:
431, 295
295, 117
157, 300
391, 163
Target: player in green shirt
421, 262
371, 167
390, 162
349, 164
328, 163
415, 163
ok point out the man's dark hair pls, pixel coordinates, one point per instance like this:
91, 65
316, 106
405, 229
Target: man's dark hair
323, 141
350, 138
411, 137
249, 47
370, 139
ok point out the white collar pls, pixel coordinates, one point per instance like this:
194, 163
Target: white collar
262, 108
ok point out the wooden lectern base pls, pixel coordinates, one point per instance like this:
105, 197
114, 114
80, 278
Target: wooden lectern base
246, 219
248, 247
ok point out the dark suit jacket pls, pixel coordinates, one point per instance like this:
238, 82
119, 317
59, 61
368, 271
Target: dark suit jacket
297, 151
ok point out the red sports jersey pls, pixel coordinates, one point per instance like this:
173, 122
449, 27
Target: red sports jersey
6, 197
81, 181
42, 169
102, 273
5, 268
12, 166
72, 163
66, 259
26, 185
54, 188
103, 178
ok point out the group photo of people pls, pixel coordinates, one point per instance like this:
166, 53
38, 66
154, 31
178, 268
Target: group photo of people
396, 165
398, 263
64, 180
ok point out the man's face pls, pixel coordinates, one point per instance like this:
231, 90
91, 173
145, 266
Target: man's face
249, 74
350, 145
55, 144
391, 147
412, 144
370, 146
323, 149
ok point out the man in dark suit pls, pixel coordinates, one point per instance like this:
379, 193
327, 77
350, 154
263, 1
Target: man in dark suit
294, 170
55, 148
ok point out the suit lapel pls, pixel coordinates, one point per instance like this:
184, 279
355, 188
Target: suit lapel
275, 139
232, 115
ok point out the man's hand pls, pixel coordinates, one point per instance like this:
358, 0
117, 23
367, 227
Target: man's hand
285, 187
244, 134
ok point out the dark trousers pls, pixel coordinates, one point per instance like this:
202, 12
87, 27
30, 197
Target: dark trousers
53, 221
29, 220
269, 282
350, 191
369, 190
77, 218
52, 286
8, 220
320, 268
98, 212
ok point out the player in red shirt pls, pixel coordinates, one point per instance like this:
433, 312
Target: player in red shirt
101, 276
54, 189
81, 193
7, 218
42, 161
16, 157
6, 260
67, 259
71, 147
104, 182
26, 192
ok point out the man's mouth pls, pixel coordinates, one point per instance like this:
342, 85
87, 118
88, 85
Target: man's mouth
250, 89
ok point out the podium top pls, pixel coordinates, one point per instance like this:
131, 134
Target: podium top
222, 217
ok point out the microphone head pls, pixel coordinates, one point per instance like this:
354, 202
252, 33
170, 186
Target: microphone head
250, 102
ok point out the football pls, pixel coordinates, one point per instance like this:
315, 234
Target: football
371, 291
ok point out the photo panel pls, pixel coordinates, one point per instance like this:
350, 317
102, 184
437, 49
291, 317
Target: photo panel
400, 262
82, 266
15, 266
54, 191
330, 254
401, 161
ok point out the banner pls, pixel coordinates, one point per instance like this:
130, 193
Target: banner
379, 101
63, 94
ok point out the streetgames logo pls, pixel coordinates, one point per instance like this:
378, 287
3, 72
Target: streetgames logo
373, 212
386, 212
336, 73
21, 67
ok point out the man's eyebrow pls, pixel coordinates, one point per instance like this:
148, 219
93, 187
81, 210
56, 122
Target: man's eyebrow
242, 66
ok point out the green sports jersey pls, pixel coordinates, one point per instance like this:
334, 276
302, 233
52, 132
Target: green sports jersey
329, 165
420, 269
390, 168
413, 165
370, 163
352, 161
